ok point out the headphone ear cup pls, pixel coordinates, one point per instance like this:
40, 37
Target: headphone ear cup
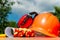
21, 20
25, 21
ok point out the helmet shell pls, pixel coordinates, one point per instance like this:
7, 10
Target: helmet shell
46, 23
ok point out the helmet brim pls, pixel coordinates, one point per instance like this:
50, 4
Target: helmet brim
43, 32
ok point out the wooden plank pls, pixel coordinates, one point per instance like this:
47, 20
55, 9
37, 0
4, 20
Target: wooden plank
31, 38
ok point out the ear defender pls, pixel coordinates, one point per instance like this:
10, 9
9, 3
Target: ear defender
26, 20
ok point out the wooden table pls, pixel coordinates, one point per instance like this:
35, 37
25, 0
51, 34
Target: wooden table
31, 38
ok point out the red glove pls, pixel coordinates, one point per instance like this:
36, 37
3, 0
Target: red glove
20, 32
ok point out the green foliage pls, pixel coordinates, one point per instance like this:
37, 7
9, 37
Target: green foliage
5, 9
57, 12
12, 24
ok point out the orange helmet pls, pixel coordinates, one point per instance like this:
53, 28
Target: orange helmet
46, 23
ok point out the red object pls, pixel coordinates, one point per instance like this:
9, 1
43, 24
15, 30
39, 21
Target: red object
29, 33
25, 21
59, 28
15, 34
20, 32
16, 30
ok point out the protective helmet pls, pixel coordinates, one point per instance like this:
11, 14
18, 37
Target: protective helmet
46, 23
